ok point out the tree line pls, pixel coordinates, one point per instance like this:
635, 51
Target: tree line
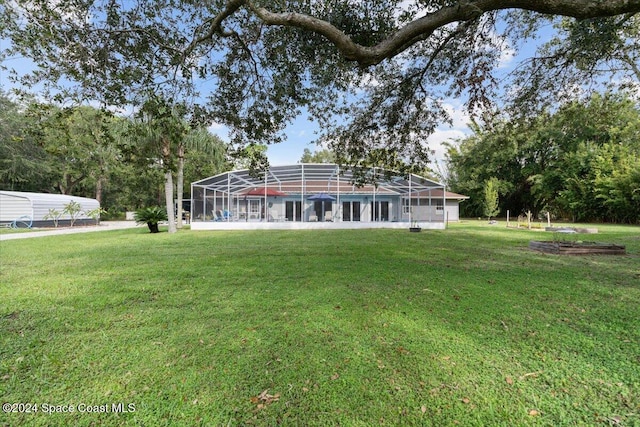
580, 162
120, 161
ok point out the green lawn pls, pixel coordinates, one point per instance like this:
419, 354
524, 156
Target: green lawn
314, 328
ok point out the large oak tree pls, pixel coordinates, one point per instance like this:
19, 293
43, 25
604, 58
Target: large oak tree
373, 73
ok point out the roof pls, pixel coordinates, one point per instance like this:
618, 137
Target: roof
438, 195
317, 177
44, 197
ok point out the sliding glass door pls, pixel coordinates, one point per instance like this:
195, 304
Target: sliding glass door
380, 211
293, 210
351, 211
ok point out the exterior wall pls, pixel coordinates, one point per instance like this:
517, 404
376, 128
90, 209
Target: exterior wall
427, 213
424, 212
276, 209
453, 210
13, 207
252, 208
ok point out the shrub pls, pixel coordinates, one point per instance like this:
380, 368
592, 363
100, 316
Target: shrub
151, 216
53, 214
73, 209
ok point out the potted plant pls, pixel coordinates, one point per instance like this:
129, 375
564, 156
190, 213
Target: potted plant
415, 227
151, 216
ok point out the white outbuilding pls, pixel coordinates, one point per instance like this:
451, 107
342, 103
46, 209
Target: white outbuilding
44, 210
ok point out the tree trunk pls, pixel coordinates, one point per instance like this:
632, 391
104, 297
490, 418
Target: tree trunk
168, 194
180, 183
99, 187
168, 184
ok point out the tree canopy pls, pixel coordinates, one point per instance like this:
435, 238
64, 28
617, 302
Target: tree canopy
88, 152
581, 162
372, 73
318, 156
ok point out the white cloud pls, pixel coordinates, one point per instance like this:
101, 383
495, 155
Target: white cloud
507, 58
459, 115
458, 129
219, 130
68, 11
214, 127
435, 141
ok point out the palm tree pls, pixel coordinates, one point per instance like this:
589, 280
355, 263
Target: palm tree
199, 139
160, 130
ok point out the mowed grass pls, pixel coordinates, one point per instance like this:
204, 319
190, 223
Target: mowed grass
314, 328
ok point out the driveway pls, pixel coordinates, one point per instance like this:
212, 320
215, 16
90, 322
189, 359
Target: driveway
104, 226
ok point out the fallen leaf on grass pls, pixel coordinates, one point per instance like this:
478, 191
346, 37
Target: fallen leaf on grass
509, 380
402, 350
335, 377
264, 399
423, 409
466, 400
534, 413
615, 420
530, 374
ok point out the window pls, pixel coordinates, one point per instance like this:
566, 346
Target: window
406, 208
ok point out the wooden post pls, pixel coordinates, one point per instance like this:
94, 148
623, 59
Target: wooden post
548, 219
529, 220
507, 218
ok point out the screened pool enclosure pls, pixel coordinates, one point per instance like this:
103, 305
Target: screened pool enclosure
315, 196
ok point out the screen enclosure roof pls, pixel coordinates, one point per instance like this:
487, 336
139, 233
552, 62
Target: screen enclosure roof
307, 178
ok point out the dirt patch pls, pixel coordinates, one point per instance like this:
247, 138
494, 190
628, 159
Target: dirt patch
577, 248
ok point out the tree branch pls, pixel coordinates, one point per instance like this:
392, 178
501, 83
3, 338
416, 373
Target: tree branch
215, 26
424, 27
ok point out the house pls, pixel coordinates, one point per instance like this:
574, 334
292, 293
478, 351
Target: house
451, 202
319, 196
33, 209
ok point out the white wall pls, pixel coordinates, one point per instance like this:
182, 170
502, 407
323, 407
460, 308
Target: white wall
13, 207
453, 209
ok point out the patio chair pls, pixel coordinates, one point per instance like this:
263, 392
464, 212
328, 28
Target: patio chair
218, 216
328, 216
313, 218
227, 215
